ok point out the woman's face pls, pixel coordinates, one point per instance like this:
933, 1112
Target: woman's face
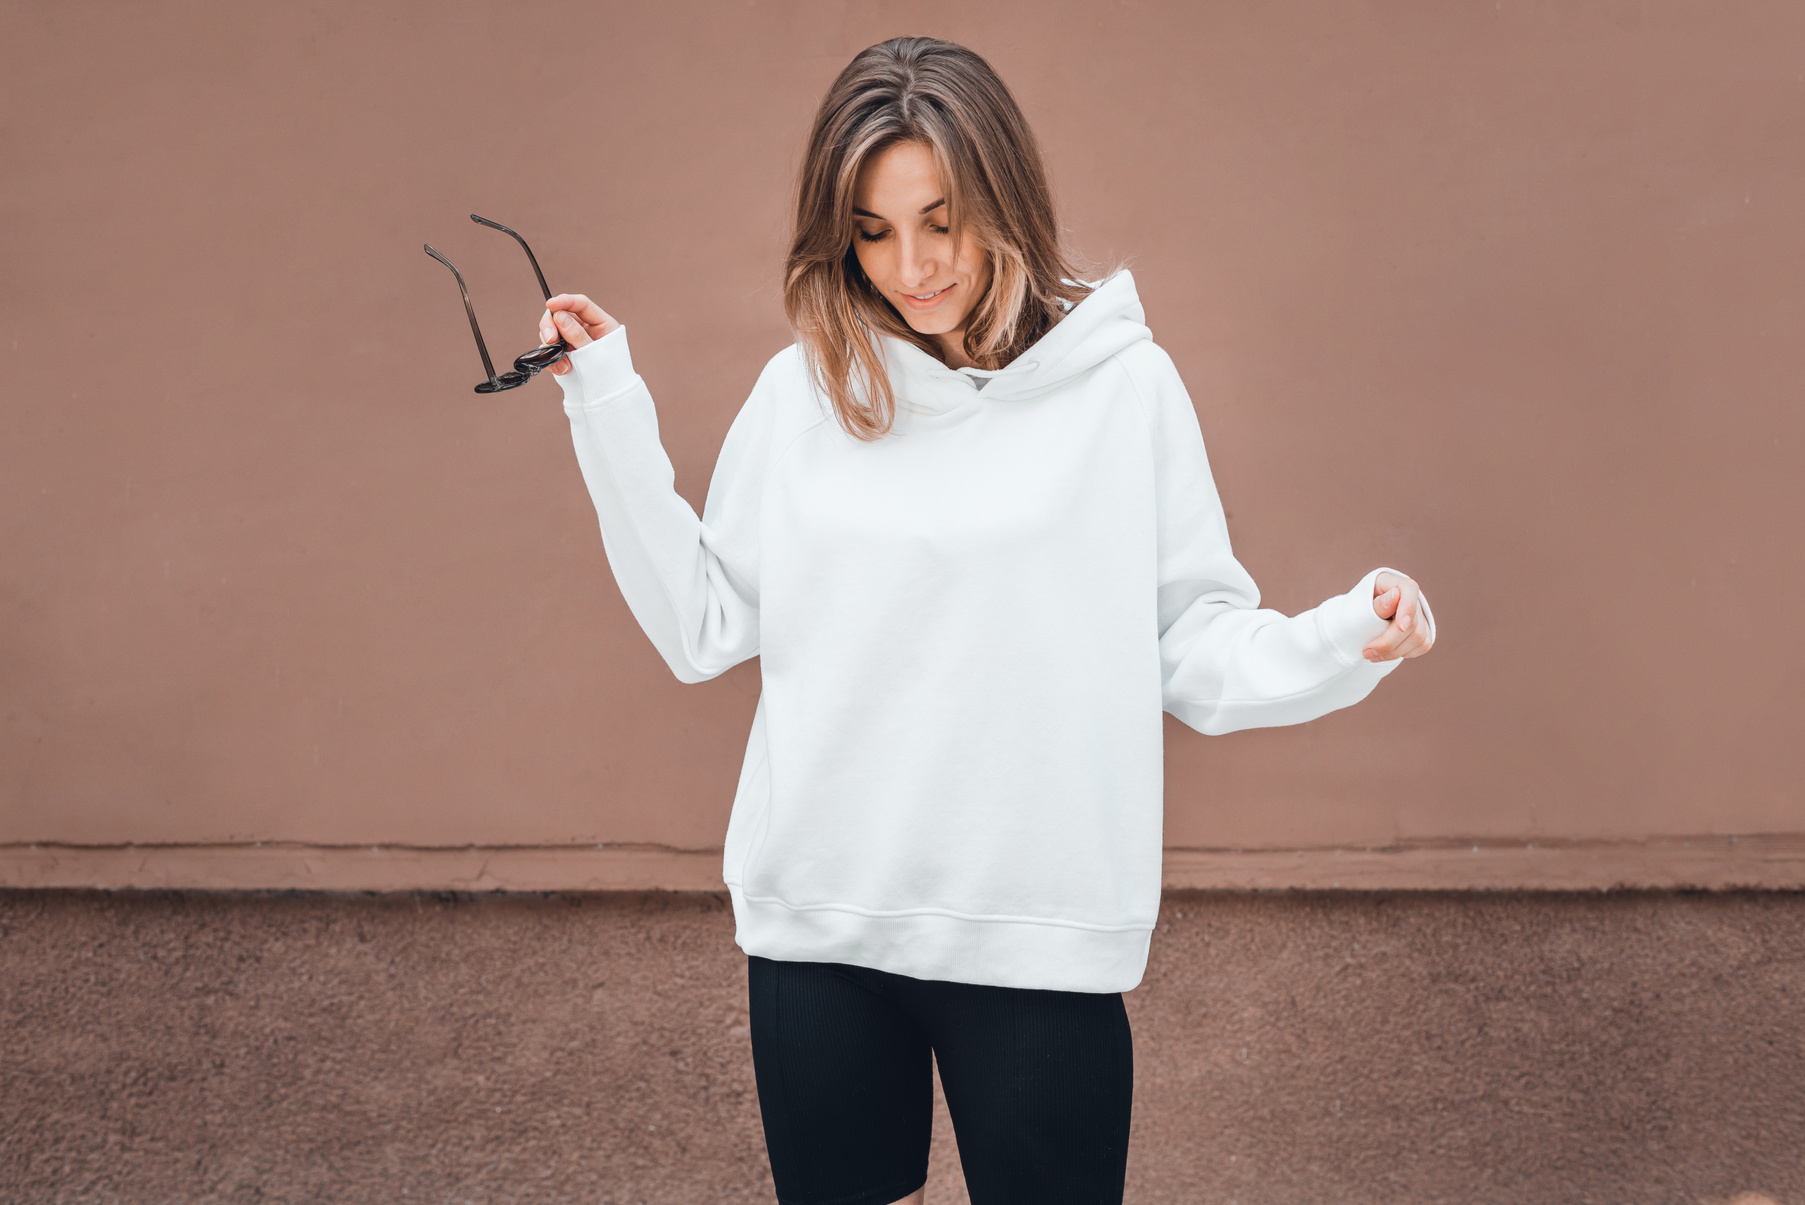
906, 251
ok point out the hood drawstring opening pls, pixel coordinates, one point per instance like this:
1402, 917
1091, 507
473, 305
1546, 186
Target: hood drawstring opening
1106, 321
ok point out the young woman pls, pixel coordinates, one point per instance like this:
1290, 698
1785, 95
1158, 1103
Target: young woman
967, 524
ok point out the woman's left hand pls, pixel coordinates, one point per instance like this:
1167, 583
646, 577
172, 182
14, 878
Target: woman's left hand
1411, 632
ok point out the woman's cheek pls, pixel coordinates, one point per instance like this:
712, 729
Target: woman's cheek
870, 261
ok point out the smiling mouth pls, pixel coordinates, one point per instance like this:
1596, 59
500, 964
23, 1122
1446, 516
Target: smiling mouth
925, 298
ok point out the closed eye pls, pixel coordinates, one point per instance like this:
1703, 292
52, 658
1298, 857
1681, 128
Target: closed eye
881, 235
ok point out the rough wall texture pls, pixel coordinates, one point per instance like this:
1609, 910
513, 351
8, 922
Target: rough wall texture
1506, 295
1383, 1048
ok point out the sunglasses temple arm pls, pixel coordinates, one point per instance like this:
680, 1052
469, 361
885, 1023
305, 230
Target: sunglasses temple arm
468, 309
531, 258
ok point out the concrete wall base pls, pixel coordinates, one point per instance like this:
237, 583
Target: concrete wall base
1291, 1047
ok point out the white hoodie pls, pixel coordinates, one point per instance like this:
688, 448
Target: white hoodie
967, 631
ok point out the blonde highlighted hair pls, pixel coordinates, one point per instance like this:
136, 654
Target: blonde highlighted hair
948, 99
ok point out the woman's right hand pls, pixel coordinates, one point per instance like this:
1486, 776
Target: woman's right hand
575, 319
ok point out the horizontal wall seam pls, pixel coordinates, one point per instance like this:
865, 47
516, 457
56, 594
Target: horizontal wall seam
1769, 861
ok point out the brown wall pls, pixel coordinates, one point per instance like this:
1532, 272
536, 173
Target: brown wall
1382, 1049
1504, 294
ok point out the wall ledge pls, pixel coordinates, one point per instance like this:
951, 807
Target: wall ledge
1761, 861
296, 866
1754, 861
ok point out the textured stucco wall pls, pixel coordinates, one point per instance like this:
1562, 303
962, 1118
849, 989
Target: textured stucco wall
1504, 294
1332, 1047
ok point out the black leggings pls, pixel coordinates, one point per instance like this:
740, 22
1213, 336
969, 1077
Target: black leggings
1038, 1083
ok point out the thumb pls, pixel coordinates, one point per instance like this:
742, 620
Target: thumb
1386, 605
570, 329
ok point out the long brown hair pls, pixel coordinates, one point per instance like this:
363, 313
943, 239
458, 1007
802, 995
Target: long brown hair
950, 100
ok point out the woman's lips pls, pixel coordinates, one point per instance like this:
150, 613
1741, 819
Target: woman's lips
921, 305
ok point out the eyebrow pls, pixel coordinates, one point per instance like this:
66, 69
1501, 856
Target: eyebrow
925, 209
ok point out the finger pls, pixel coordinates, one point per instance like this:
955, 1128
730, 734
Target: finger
574, 302
586, 311
1413, 644
1421, 625
570, 330
1384, 646
1394, 644
1420, 640
1407, 614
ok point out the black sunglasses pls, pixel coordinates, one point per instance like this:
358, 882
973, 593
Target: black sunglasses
525, 366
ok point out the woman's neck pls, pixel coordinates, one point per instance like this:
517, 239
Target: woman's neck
952, 344
952, 349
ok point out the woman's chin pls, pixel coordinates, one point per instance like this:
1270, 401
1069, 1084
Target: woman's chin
933, 325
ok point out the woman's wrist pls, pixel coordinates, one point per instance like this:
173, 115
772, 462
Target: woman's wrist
599, 370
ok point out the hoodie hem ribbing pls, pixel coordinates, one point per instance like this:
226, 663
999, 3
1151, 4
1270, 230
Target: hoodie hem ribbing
996, 952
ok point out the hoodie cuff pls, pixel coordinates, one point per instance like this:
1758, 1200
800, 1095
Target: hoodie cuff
599, 371
1349, 621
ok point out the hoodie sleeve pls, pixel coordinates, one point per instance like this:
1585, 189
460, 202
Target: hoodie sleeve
1225, 663
691, 582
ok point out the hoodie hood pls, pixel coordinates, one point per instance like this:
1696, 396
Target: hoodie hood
1098, 327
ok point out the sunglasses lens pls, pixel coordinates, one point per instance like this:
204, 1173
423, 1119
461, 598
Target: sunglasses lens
507, 380
541, 357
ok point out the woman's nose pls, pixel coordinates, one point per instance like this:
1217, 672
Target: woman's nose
917, 266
